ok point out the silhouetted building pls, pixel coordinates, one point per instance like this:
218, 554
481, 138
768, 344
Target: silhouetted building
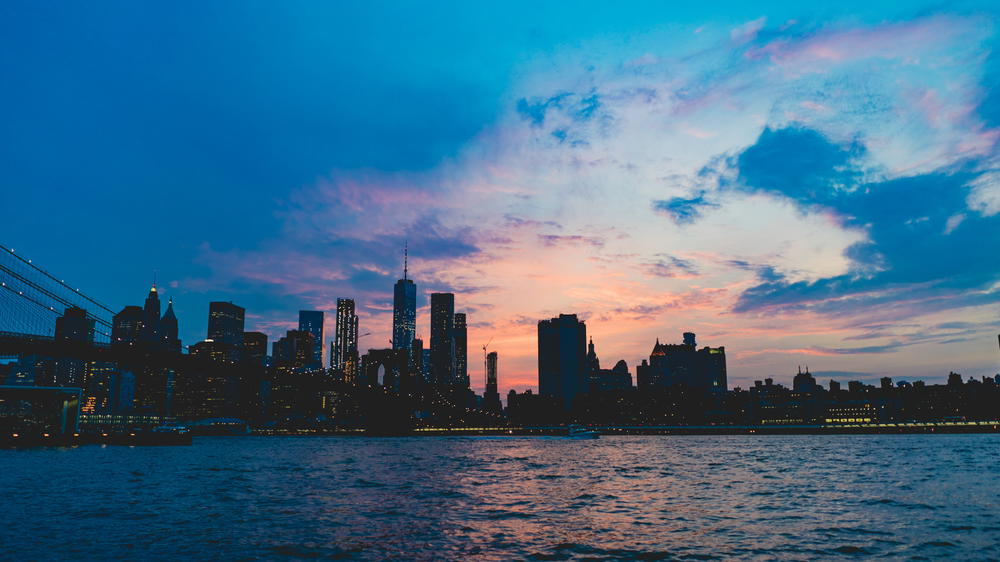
126, 325
442, 338
226, 323
150, 331
491, 397
684, 365
689, 339
562, 369
254, 348
461, 336
312, 321
294, 350
804, 382
417, 358
345, 345
73, 326
168, 332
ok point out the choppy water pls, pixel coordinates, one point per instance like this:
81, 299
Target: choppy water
648, 498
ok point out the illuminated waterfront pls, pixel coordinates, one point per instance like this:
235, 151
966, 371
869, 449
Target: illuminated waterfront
642, 497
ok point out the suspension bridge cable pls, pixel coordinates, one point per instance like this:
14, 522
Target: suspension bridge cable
52, 277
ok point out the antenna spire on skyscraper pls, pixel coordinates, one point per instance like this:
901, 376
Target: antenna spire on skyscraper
406, 256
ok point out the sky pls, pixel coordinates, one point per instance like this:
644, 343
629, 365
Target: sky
814, 186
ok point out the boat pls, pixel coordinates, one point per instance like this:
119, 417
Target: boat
580, 432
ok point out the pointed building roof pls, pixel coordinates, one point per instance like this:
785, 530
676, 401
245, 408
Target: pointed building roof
169, 313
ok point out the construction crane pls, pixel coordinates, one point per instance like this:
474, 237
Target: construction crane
486, 367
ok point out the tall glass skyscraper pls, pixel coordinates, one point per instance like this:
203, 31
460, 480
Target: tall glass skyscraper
312, 321
404, 310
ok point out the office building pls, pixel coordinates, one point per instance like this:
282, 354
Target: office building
168, 331
562, 355
126, 325
312, 321
491, 397
345, 355
684, 365
442, 338
404, 310
226, 323
461, 337
255, 348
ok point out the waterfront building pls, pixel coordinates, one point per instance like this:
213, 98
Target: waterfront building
126, 325
345, 344
684, 365
169, 333
226, 323
491, 396
404, 310
149, 333
294, 350
254, 348
312, 321
461, 337
73, 326
562, 369
442, 338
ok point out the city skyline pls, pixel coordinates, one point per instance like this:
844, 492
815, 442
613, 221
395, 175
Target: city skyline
800, 185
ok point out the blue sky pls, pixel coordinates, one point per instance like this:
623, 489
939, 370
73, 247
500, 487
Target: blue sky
803, 185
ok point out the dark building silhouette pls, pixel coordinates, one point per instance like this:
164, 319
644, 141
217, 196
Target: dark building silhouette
149, 333
345, 345
169, 333
442, 338
491, 397
226, 323
255, 348
294, 350
417, 358
562, 368
404, 310
73, 326
461, 336
312, 321
689, 339
804, 382
605, 380
126, 326
684, 365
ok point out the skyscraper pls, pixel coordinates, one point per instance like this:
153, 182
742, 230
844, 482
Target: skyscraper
225, 323
255, 347
294, 350
562, 355
126, 325
404, 310
345, 344
442, 338
312, 321
73, 325
149, 333
461, 336
168, 332
491, 397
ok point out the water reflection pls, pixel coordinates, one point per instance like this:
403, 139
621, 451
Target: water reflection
787, 497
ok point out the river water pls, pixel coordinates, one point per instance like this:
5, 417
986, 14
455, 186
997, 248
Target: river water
432, 498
